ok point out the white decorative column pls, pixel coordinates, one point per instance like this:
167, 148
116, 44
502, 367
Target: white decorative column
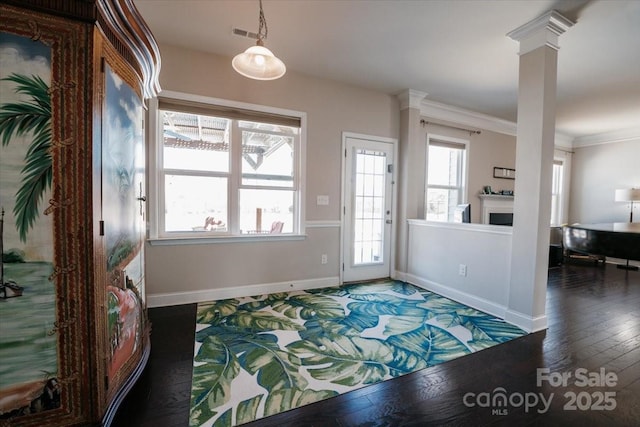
411, 195
534, 162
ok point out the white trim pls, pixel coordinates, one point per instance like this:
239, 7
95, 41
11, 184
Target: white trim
473, 301
411, 98
464, 187
464, 117
230, 103
323, 224
399, 275
177, 298
469, 118
607, 138
527, 323
156, 184
487, 228
563, 141
366, 137
153, 167
440, 111
248, 238
542, 31
394, 190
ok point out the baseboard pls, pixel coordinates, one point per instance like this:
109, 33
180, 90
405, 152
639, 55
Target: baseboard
459, 296
399, 275
525, 322
177, 298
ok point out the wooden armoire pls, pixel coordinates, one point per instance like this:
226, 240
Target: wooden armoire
74, 332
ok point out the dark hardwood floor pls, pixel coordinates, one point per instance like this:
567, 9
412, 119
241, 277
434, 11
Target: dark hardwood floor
594, 324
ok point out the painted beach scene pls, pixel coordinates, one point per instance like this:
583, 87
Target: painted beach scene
123, 209
28, 336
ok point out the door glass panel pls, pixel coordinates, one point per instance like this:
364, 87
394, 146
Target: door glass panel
368, 204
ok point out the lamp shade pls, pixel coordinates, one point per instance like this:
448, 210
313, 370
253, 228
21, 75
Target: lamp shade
628, 195
259, 63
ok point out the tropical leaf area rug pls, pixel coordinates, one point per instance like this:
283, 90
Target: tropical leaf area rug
262, 355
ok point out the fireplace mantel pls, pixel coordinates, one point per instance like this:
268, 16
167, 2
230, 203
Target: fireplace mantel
494, 203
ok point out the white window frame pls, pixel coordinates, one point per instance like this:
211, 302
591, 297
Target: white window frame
156, 234
433, 139
561, 155
557, 193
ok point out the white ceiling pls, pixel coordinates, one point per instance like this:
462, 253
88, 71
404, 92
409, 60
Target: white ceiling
457, 51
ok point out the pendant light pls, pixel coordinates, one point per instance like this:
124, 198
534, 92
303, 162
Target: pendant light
258, 62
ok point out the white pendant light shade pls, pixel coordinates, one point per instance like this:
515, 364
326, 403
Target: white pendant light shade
259, 63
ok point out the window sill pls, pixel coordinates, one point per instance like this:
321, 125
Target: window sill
175, 241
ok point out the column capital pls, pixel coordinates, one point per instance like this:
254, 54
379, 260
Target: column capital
542, 31
411, 98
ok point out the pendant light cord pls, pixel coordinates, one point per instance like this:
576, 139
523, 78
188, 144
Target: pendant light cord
262, 26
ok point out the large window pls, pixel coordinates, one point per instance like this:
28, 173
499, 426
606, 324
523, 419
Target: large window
446, 177
225, 171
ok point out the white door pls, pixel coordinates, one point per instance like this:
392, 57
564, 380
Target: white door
367, 208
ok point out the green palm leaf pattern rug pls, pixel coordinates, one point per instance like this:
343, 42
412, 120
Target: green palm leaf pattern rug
262, 355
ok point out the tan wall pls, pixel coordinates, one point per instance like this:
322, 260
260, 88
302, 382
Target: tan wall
331, 109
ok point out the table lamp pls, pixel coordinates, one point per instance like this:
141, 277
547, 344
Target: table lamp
628, 195
631, 195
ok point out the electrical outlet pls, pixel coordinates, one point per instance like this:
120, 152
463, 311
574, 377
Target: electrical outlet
462, 270
324, 259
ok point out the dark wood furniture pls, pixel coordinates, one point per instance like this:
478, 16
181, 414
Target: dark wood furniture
617, 240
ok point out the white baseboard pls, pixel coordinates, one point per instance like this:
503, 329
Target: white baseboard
525, 322
177, 298
399, 275
459, 296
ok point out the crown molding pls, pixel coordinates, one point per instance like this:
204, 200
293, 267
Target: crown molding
563, 140
469, 118
440, 111
607, 138
411, 98
542, 31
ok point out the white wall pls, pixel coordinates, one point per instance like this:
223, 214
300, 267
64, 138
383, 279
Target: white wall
597, 171
436, 251
198, 270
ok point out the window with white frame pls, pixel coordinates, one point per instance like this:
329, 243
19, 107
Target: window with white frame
556, 193
446, 177
225, 171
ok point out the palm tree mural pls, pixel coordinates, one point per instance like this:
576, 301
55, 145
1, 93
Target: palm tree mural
31, 116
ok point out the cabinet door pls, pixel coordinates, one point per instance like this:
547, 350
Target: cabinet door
44, 160
123, 175
28, 342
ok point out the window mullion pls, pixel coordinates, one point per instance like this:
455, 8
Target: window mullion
235, 140
188, 172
